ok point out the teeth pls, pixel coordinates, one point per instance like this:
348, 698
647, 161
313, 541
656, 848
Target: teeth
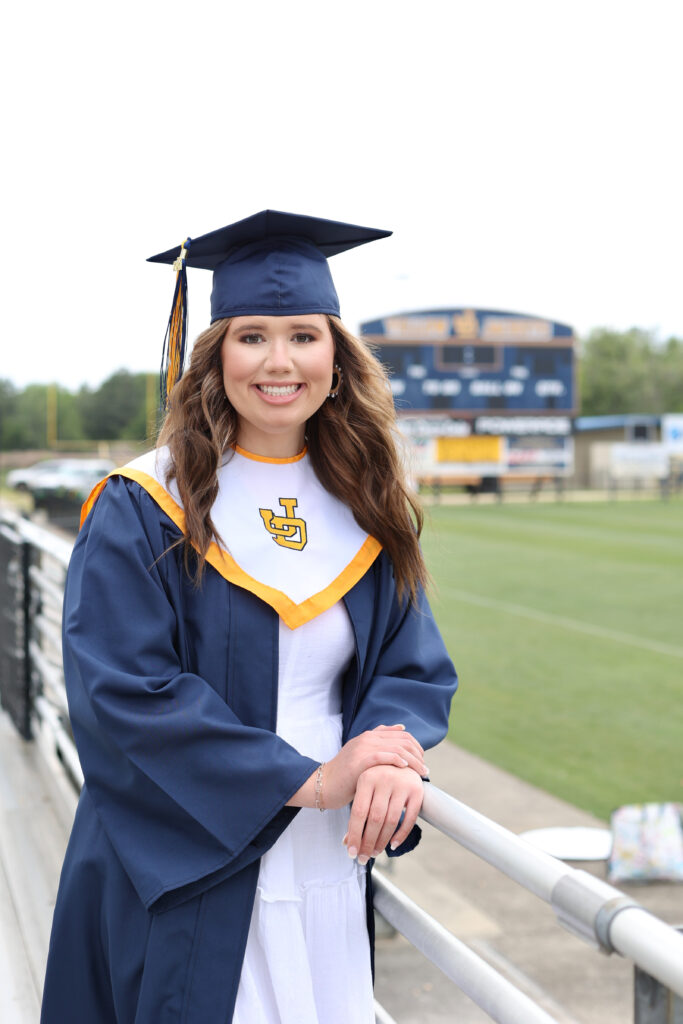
287, 389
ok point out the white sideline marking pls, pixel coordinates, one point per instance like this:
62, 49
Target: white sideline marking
566, 623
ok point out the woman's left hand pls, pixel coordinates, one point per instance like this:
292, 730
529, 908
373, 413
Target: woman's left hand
381, 794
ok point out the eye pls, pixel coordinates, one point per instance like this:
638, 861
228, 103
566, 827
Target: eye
303, 338
251, 339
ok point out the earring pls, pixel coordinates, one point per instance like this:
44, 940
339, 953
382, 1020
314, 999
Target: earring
337, 378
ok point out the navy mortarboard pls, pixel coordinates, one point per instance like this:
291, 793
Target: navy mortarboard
270, 264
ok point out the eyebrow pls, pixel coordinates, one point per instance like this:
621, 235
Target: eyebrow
262, 327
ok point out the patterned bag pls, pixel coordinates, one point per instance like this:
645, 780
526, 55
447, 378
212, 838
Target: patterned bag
647, 843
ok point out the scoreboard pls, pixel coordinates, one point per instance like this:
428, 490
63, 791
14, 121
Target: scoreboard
480, 393
476, 361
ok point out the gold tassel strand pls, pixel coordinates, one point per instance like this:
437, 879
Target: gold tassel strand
175, 339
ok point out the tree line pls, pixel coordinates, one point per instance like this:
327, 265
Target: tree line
118, 410
619, 372
630, 372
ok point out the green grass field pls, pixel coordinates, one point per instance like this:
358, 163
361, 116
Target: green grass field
565, 622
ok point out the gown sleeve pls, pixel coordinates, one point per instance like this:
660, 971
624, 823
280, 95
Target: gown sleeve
408, 675
186, 793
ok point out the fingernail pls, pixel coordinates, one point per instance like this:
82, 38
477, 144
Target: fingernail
405, 763
393, 844
362, 860
353, 852
425, 769
376, 853
345, 838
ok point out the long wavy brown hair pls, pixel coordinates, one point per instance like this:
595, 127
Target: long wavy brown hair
351, 441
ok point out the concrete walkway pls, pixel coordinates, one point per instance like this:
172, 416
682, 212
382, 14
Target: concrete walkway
511, 929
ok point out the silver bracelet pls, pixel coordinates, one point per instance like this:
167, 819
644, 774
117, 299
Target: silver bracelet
319, 787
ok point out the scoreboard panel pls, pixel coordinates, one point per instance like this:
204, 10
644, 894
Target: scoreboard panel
475, 361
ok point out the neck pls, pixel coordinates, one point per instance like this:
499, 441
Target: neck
271, 446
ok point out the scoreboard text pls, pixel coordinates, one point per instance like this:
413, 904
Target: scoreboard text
469, 362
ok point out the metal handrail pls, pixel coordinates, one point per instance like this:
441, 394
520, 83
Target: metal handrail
40, 538
583, 904
49, 629
64, 744
6, 530
381, 1015
484, 985
50, 677
46, 585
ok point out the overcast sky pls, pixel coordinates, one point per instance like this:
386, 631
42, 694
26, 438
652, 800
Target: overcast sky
526, 154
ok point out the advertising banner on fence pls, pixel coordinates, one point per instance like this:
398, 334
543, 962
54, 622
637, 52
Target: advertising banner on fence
672, 433
643, 461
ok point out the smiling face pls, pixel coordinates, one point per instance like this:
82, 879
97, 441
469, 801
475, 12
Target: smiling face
277, 371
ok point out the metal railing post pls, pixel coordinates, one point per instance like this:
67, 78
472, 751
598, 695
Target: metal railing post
15, 672
654, 1003
26, 560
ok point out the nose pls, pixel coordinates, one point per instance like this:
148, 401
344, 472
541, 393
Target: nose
279, 356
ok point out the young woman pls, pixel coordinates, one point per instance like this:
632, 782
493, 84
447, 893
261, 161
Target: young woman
246, 645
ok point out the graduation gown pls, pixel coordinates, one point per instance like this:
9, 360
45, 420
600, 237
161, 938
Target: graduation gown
173, 700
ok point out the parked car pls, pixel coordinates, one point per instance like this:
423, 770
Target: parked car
66, 478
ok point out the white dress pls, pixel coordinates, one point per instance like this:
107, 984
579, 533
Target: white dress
307, 959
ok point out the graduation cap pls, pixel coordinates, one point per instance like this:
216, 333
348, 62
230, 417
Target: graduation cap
270, 264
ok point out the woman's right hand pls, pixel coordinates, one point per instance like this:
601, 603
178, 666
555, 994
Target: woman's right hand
385, 744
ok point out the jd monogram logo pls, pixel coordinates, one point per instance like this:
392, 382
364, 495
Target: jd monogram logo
286, 530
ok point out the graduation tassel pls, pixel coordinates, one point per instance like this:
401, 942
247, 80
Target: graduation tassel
175, 339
